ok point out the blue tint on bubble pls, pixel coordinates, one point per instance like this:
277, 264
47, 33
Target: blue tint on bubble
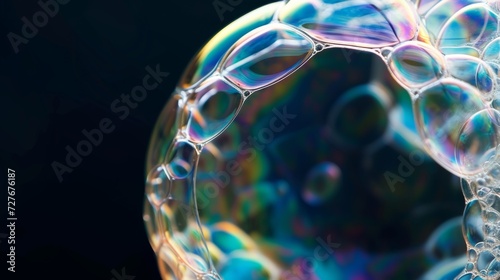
473, 223
212, 53
265, 56
360, 23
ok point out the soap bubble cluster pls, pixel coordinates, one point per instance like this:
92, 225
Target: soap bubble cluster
271, 158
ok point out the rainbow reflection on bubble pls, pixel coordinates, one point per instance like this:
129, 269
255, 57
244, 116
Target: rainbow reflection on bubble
315, 140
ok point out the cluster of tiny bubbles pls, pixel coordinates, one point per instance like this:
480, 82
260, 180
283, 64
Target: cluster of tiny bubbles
298, 145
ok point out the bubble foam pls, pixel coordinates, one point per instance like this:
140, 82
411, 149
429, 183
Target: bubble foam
227, 198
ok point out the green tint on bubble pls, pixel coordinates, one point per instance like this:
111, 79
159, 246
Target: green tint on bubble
492, 51
229, 238
360, 23
475, 24
210, 55
251, 202
248, 266
215, 105
478, 141
440, 111
438, 15
416, 64
266, 55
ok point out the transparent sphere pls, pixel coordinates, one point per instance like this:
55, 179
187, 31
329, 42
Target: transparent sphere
322, 140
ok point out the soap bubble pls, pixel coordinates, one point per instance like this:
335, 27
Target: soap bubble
299, 140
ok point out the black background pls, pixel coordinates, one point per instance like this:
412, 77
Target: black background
64, 80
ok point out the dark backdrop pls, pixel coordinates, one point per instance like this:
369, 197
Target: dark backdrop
63, 80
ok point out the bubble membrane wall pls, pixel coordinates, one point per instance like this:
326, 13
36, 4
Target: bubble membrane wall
445, 55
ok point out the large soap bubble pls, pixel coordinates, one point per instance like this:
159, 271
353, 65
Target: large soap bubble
315, 140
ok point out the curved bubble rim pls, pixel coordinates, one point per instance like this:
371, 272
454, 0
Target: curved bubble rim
181, 135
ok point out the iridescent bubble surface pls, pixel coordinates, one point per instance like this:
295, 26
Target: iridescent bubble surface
215, 105
361, 23
416, 64
478, 141
181, 160
467, 50
442, 11
211, 54
473, 223
492, 51
158, 185
248, 266
473, 71
164, 132
298, 145
441, 110
474, 24
266, 55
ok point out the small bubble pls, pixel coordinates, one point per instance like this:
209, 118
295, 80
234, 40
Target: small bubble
472, 255
181, 159
450, 115
482, 192
494, 172
491, 217
469, 266
481, 182
484, 259
473, 223
157, 185
385, 52
322, 183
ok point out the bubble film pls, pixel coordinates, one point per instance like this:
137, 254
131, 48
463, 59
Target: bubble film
333, 139
416, 64
474, 24
440, 111
362, 23
478, 141
266, 55
215, 105
321, 183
